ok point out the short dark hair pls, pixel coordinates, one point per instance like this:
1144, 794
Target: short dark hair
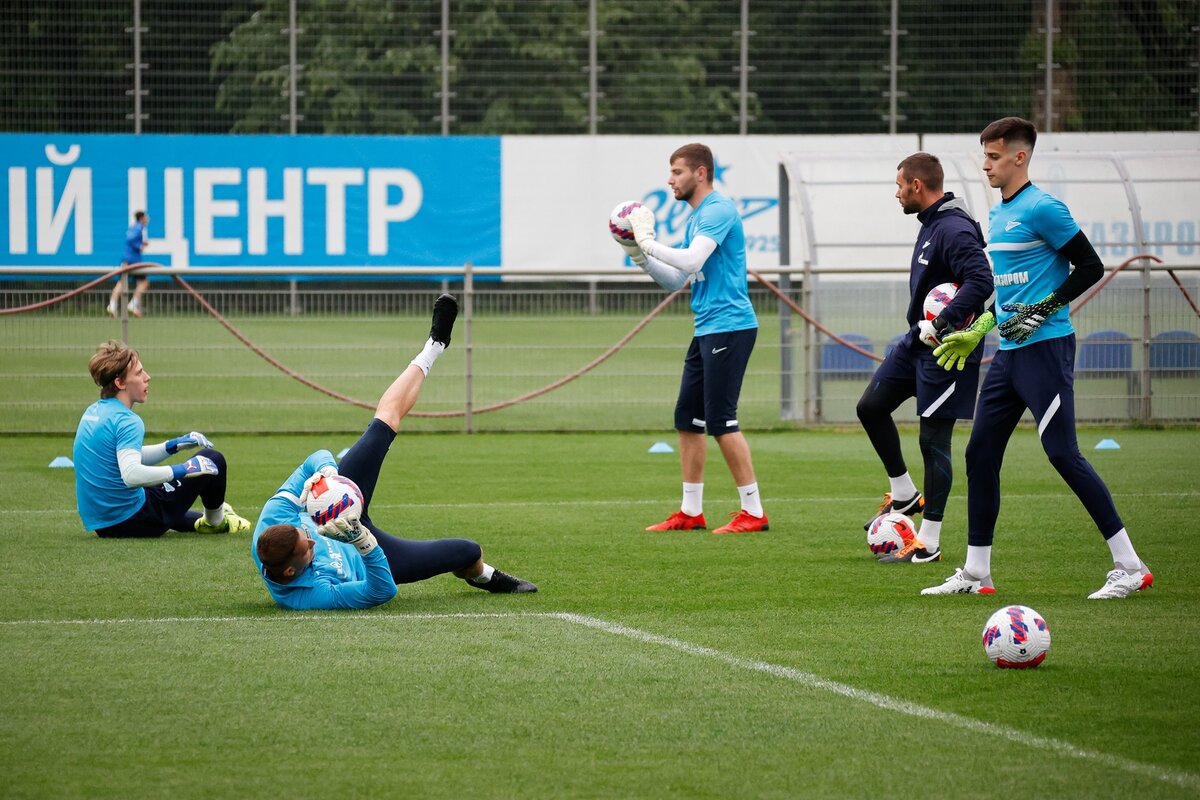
110, 361
1010, 130
276, 545
924, 167
139, 215
695, 155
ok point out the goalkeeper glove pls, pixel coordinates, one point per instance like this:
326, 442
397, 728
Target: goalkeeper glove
187, 442
327, 471
956, 347
1027, 318
641, 220
194, 467
635, 253
350, 532
930, 331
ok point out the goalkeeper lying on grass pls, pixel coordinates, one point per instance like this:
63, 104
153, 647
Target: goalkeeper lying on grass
351, 563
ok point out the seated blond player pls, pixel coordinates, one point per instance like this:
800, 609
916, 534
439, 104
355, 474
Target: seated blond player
357, 565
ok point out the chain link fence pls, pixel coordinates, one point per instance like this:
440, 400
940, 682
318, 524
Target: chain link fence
1138, 354
597, 66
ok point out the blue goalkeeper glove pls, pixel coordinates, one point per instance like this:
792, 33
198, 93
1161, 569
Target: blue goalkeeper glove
1027, 318
194, 467
187, 442
952, 353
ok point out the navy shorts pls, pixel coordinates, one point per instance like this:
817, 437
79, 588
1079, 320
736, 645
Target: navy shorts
713, 370
911, 371
410, 560
168, 505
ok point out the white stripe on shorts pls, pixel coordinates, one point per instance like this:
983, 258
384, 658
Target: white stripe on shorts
698, 422
936, 404
1049, 415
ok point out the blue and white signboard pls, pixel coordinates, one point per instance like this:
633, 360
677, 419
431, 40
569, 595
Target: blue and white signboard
252, 201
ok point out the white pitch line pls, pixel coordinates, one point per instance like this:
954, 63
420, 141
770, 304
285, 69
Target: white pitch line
1186, 780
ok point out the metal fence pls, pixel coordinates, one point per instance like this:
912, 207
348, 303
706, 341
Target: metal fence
597, 66
1139, 353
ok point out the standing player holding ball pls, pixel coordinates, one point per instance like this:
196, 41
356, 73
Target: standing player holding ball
713, 257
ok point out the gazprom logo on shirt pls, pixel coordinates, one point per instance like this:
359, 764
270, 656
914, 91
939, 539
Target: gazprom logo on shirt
1011, 278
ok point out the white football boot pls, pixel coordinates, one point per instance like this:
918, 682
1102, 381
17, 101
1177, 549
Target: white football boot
963, 582
1122, 582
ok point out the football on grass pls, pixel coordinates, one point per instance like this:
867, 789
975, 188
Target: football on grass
1016, 637
618, 221
938, 298
890, 533
334, 497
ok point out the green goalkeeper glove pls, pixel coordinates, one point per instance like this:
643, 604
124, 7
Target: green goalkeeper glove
956, 347
1027, 318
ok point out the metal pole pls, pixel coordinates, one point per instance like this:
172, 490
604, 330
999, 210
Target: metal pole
1139, 231
744, 70
292, 67
445, 94
137, 66
593, 68
787, 403
1196, 33
894, 67
1048, 124
468, 313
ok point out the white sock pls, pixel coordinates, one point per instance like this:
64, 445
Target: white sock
751, 501
427, 356
930, 534
214, 516
979, 561
903, 487
484, 576
693, 499
1123, 552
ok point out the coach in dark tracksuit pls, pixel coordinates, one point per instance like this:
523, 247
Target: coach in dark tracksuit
949, 249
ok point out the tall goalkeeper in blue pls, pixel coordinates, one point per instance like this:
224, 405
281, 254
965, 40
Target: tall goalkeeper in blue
353, 563
712, 257
1032, 239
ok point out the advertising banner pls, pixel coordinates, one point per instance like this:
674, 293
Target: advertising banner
248, 201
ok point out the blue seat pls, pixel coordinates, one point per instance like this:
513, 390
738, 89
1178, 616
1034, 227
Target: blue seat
1175, 352
839, 361
1104, 354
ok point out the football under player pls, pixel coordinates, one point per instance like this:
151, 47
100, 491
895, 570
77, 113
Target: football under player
1033, 241
713, 257
949, 249
353, 563
120, 489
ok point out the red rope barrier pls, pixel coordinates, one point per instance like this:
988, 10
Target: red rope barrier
78, 290
457, 413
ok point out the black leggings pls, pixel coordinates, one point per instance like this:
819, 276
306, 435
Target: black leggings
875, 413
410, 560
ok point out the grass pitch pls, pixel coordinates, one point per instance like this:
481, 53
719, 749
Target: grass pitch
782, 664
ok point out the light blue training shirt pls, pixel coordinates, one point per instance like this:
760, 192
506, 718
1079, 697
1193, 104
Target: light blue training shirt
1025, 233
101, 495
720, 297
